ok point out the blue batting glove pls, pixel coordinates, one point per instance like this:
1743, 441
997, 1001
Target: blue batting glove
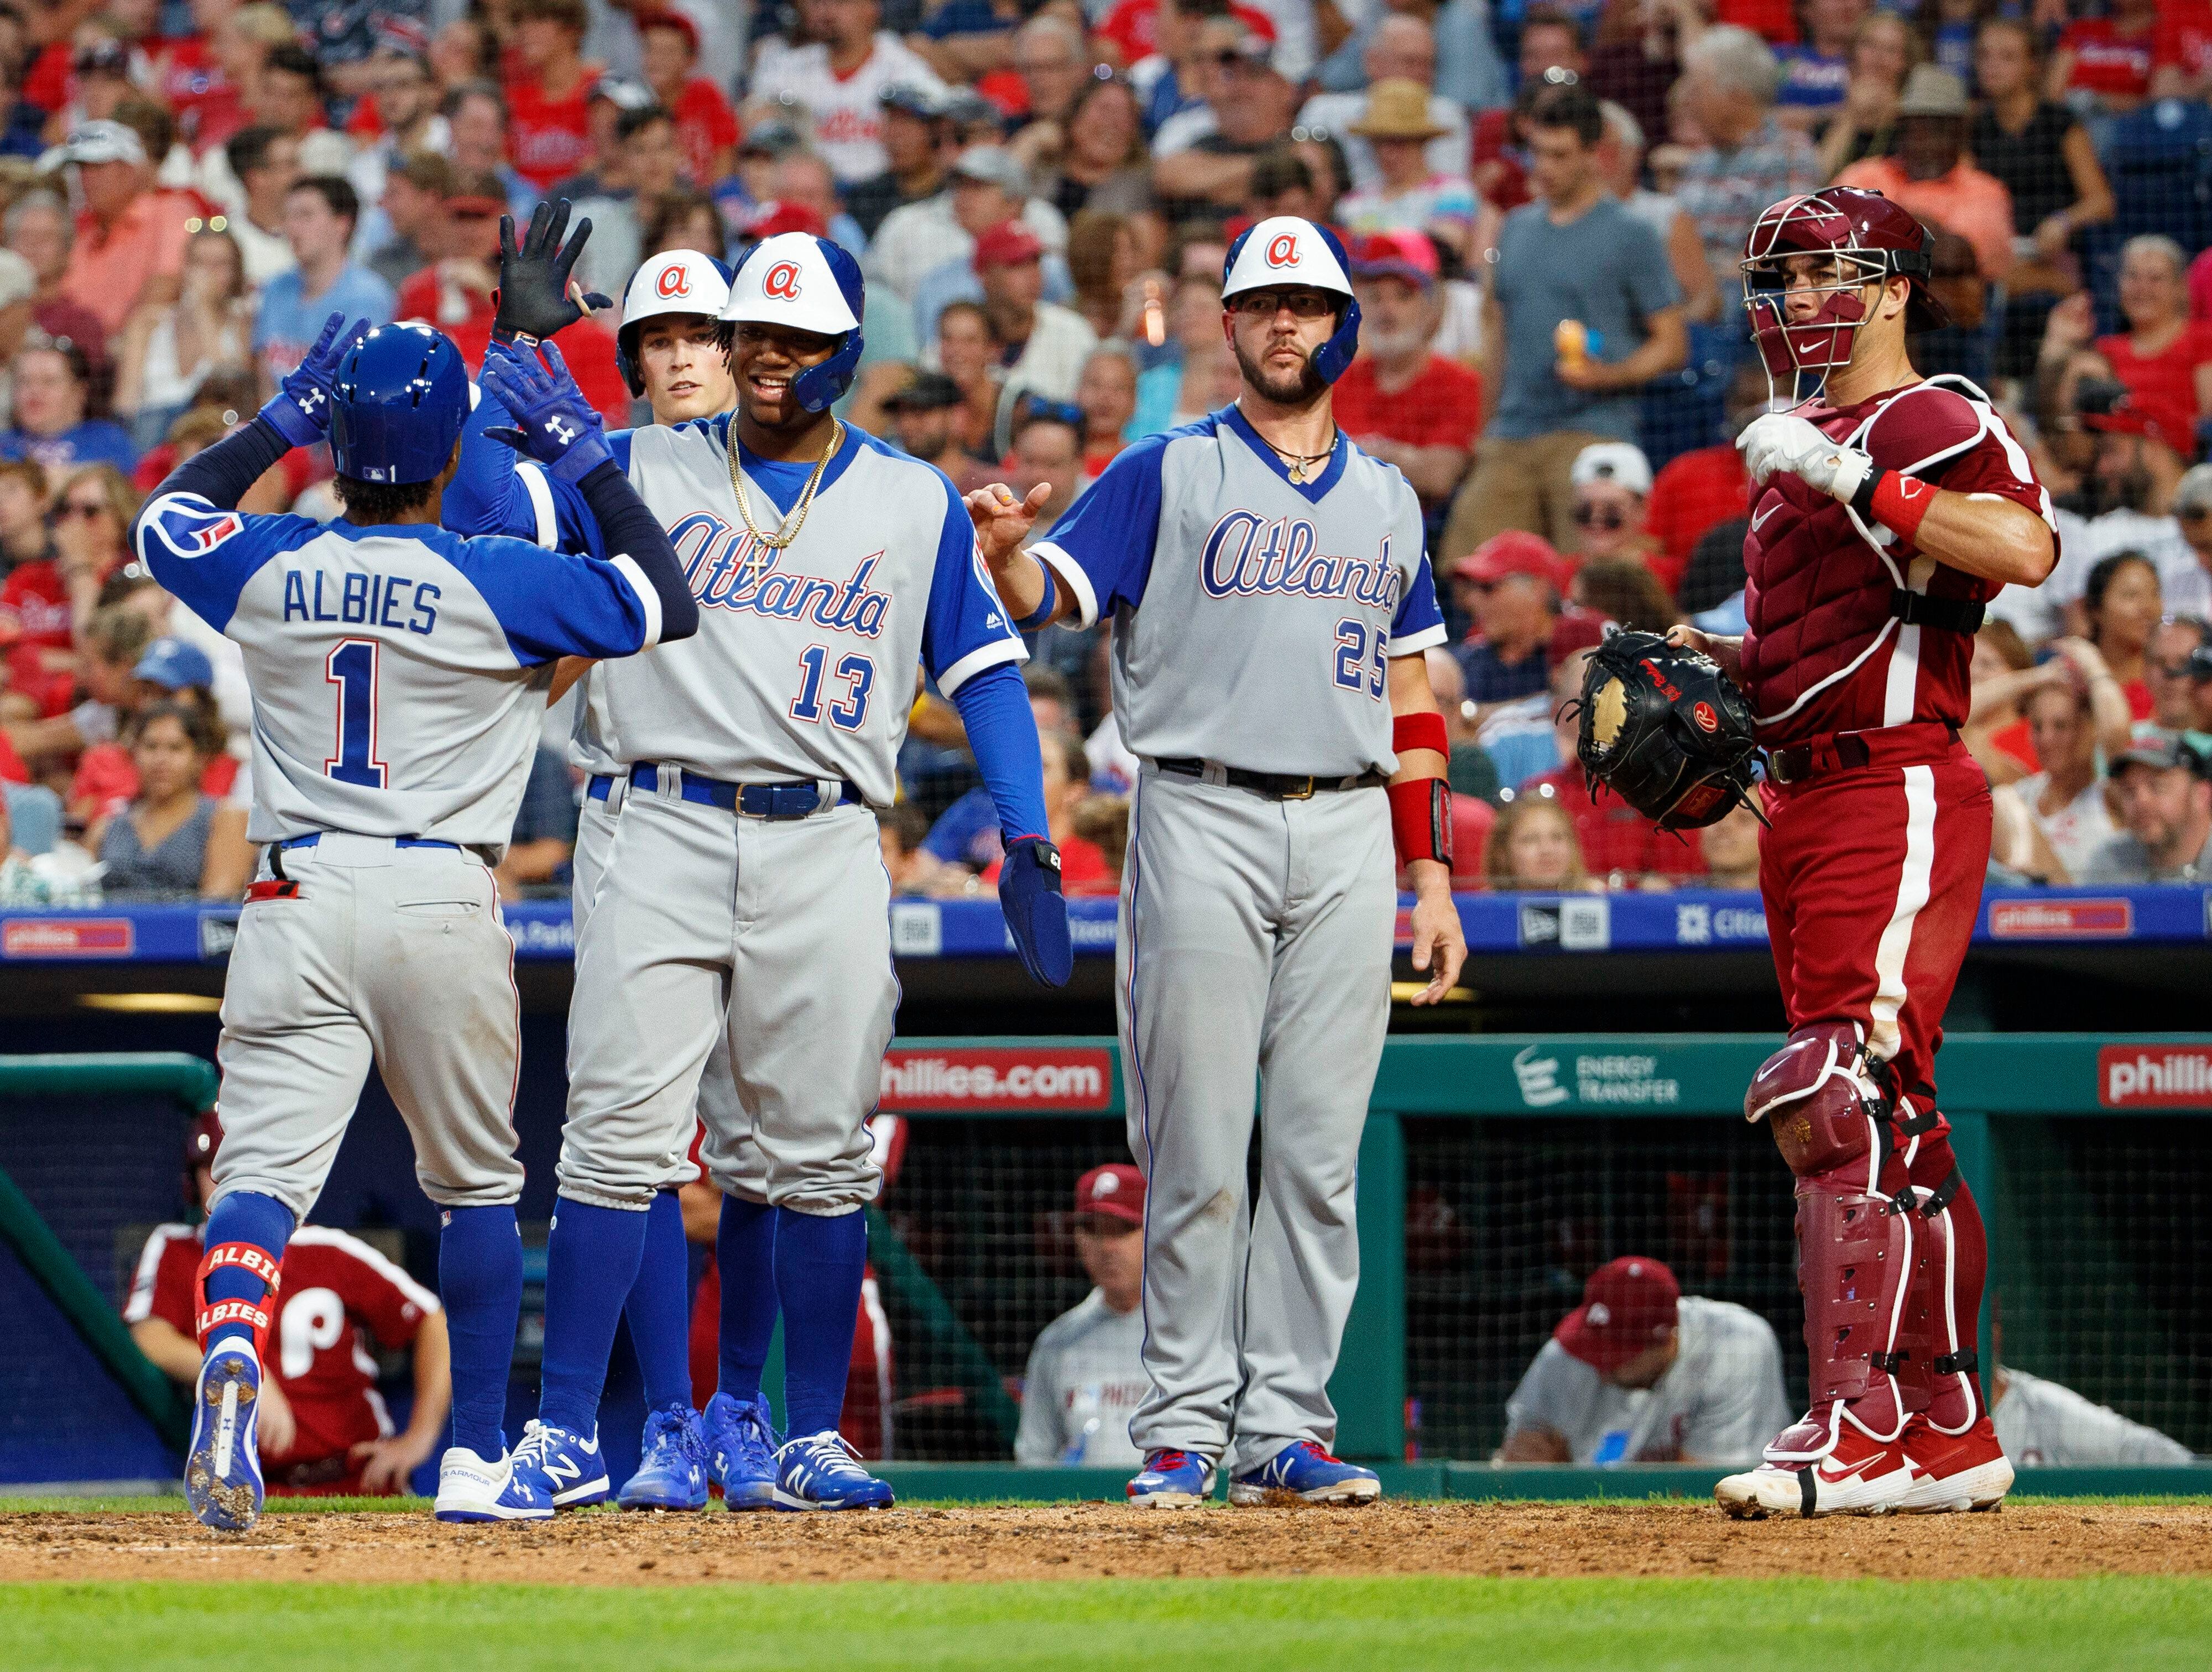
1036, 911
300, 409
553, 422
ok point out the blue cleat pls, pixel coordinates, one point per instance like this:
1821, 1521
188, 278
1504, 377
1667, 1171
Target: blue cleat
740, 1451
566, 1469
672, 1472
469, 1488
222, 1469
1172, 1480
822, 1472
1305, 1470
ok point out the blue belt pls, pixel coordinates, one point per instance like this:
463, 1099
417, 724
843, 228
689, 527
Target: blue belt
601, 787
314, 837
798, 800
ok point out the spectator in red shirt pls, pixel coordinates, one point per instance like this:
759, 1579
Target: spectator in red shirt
189, 78
130, 241
2181, 52
1696, 491
2108, 59
2163, 357
1401, 401
706, 126
1083, 865
548, 90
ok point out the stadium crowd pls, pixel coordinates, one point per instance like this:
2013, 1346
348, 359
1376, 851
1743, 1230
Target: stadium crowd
1544, 204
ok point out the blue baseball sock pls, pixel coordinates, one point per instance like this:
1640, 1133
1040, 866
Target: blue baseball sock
480, 1285
656, 1308
261, 1222
819, 1263
591, 1262
744, 1257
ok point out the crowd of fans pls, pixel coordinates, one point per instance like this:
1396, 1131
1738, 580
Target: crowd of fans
1544, 205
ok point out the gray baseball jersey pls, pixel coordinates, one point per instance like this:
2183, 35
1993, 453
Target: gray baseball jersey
1086, 1380
1255, 618
2043, 1424
1719, 1402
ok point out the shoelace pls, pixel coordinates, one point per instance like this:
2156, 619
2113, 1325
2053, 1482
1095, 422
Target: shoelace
831, 1453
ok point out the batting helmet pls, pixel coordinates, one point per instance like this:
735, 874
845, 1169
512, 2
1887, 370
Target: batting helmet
202, 1139
1872, 239
678, 282
808, 283
402, 396
1283, 251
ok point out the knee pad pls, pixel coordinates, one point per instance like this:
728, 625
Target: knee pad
1821, 1097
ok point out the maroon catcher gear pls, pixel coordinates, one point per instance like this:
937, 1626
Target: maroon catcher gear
1943, 1299
1872, 241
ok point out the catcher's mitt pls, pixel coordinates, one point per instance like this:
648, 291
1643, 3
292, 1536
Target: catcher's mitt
1666, 730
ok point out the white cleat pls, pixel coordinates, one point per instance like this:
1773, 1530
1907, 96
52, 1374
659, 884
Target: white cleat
1874, 1479
471, 1489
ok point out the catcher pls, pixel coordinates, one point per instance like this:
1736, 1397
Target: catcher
1886, 511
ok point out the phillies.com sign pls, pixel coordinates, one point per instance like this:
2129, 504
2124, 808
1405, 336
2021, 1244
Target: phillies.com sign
2155, 1077
998, 1079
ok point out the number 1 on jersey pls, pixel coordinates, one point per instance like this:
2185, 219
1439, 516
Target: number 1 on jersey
847, 713
352, 667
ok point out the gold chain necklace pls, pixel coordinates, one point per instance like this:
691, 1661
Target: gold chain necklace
1301, 463
787, 530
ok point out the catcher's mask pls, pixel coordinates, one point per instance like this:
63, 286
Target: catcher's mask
1665, 728
1870, 240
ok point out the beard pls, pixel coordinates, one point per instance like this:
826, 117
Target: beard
1284, 388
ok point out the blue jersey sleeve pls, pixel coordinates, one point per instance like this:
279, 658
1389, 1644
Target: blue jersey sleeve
205, 554
966, 629
498, 492
1419, 622
1102, 549
1002, 732
553, 604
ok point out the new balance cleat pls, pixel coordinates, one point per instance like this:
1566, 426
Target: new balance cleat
741, 1451
1859, 1476
222, 1469
822, 1472
566, 1468
671, 1471
471, 1489
1968, 1471
1172, 1480
1304, 1470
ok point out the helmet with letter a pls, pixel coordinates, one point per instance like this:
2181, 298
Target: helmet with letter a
808, 283
402, 395
674, 282
1282, 253
1865, 239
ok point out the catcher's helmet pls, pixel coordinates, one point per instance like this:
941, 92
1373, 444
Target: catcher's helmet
402, 395
808, 283
202, 1139
1283, 250
678, 281
1872, 239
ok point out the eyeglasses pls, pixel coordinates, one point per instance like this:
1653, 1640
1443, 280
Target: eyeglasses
1266, 304
1610, 517
76, 507
2167, 670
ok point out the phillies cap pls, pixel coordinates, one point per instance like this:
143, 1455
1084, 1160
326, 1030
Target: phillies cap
1284, 249
1116, 1190
1619, 462
775, 215
174, 666
676, 282
786, 280
2162, 749
1627, 1304
1515, 551
1006, 244
1405, 255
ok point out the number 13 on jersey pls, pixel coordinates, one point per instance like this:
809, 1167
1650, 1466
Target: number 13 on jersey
848, 711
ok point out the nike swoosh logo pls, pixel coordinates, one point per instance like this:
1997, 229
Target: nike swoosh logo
1764, 515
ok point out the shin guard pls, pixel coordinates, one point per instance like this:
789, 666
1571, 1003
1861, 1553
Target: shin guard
1944, 1303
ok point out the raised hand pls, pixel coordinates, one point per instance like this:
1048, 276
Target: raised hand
300, 409
1002, 521
536, 296
553, 422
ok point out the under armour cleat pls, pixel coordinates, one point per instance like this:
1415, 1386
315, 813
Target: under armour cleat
1966, 1471
1172, 1480
222, 1469
741, 1451
566, 1468
822, 1472
1305, 1470
471, 1489
672, 1472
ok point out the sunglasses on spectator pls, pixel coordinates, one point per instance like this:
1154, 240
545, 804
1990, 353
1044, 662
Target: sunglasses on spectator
1266, 304
1610, 517
79, 508
2167, 670
2195, 513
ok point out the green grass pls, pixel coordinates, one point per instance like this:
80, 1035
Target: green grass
1590, 1626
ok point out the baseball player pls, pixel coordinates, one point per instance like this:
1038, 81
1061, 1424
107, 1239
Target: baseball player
323, 1428
1642, 1373
669, 348
1271, 601
398, 677
743, 897
1086, 1373
1886, 512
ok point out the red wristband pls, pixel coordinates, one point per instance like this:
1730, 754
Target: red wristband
1421, 731
1421, 821
1901, 503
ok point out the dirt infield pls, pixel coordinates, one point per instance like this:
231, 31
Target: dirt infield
1091, 1541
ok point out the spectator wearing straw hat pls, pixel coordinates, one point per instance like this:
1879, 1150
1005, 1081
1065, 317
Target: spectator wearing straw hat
1642, 1373
129, 243
1402, 402
1086, 1373
1932, 176
1410, 196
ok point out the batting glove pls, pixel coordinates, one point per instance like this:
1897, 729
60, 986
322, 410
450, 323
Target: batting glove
553, 422
1782, 442
533, 280
1036, 911
300, 409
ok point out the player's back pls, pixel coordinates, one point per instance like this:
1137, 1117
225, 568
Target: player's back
397, 671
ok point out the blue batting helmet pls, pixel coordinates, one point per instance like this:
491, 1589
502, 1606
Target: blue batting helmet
402, 396
1283, 250
809, 283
